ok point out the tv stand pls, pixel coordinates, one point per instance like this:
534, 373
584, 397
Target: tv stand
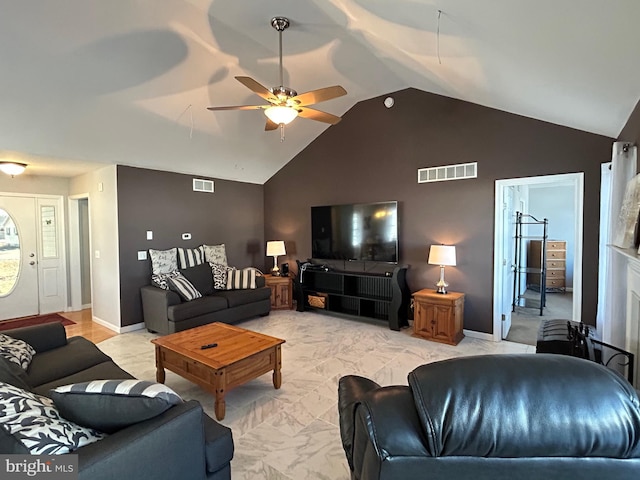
355, 294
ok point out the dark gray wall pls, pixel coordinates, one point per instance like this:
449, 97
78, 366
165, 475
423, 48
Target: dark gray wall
165, 203
374, 154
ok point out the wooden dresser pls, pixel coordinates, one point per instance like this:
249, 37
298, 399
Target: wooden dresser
556, 264
438, 317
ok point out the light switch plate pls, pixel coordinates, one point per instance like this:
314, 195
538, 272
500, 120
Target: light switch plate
97, 254
186, 236
149, 235
142, 255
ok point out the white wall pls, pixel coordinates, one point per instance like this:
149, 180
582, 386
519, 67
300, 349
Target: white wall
101, 185
556, 203
35, 185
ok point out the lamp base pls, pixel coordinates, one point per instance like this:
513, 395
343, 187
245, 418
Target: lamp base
442, 285
275, 272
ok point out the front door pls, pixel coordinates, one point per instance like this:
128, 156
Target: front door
18, 258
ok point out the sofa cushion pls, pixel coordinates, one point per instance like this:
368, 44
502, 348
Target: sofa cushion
200, 277
34, 421
163, 261
241, 297
498, 406
200, 306
110, 405
183, 287
16, 351
101, 371
215, 254
241, 279
13, 374
77, 355
190, 257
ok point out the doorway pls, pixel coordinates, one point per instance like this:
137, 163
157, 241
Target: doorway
80, 249
33, 278
540, 193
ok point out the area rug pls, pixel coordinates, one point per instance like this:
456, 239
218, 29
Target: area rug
37, 320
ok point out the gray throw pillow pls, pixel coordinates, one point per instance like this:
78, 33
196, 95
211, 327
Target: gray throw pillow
163, 261
215, 254
110, 405
200, 277
184, 288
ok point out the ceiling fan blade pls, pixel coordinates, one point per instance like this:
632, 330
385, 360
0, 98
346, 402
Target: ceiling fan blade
239, 107
258, 89
313, 114
270, 125
317, 96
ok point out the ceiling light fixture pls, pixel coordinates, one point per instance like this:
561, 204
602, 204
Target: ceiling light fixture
281, 115
12, 168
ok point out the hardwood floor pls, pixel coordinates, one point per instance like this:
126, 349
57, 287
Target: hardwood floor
85, 327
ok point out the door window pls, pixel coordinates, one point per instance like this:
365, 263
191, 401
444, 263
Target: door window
9, 254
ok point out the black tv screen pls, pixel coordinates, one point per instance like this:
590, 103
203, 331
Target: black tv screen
358, 232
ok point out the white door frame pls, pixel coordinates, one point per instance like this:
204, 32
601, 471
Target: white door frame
75, 265
576, 180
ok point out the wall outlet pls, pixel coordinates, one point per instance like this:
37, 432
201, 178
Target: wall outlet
142, 254
149, 235
186, 236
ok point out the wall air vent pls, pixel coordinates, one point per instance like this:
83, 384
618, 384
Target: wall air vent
200, 185
448, 172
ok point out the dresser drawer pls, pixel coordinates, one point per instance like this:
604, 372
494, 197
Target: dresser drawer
555, 282
556, 254
555, 274
556, 245
556, 264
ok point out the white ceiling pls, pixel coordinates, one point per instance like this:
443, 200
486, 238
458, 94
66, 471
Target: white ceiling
91, 82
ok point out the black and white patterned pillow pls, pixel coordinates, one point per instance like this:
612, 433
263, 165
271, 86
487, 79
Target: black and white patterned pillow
35, 422
110, 405
161, 279
184, 288
241, 279
163, 261
215, 254
220, 275
190, 257
16, 351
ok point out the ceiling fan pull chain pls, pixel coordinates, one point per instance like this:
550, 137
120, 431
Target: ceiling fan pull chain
282, 132
281, 74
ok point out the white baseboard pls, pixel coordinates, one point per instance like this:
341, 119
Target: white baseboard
480, 335
85, 306
116, 328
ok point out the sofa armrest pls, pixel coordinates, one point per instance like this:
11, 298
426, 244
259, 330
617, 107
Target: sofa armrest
166, 447
260, 281
41, 337
155, 302
386, 426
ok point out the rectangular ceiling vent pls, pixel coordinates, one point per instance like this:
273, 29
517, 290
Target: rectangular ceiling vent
448, 172
200, 185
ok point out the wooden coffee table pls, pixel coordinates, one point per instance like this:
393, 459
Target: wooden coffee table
240, 355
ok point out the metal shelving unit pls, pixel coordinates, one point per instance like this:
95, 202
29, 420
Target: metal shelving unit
524, 223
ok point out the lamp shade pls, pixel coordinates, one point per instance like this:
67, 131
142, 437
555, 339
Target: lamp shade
275, 248
12, 168
442, 255
280, 114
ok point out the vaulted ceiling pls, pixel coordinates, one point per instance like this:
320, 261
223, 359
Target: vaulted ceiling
91, 82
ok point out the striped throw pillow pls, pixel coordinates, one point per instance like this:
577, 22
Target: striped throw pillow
190, 257
183, 287
241, 279
109, 405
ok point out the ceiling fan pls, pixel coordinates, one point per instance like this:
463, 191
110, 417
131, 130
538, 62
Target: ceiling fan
284, 103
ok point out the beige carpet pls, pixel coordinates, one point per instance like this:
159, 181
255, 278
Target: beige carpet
526, 321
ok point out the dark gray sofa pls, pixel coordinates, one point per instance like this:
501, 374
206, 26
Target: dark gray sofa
493, 417
165, 312
183, 442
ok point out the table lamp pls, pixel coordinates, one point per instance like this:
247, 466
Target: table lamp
443, 255
275, 248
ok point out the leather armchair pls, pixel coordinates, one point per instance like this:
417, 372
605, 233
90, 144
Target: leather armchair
493, 417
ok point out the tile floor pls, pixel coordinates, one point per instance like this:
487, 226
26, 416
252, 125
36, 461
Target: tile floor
293, 433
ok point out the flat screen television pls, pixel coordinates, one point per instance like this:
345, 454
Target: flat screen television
357, 232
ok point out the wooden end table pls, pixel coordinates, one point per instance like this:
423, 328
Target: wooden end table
240, 355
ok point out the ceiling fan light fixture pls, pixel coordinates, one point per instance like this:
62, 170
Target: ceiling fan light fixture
280, 114
12, 168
